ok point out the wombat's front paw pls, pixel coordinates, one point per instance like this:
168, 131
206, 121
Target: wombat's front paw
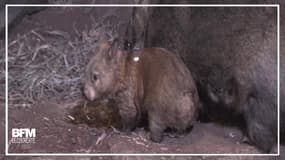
156, 131
156, 137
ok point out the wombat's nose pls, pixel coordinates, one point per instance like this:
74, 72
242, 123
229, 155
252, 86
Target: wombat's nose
89, 93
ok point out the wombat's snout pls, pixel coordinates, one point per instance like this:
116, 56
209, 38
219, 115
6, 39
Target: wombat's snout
89, 92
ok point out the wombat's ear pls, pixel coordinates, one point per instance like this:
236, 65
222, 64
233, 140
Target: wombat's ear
115, 53
104, 44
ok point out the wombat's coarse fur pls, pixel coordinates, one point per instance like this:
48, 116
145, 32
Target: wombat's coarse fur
242, 42
149, 82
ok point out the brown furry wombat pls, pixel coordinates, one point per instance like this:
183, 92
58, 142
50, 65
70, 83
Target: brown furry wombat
150, 82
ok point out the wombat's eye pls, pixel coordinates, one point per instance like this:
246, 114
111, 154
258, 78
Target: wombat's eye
95, 77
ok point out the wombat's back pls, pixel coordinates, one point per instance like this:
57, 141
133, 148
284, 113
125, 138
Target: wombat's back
169, 91
159, 66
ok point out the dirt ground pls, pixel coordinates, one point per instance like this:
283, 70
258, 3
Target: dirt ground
55, 132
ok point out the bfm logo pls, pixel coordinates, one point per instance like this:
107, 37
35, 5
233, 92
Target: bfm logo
23, 132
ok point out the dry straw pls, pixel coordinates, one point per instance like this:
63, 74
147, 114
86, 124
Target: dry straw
50, 64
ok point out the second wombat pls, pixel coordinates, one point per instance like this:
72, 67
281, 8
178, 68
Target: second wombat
151, 83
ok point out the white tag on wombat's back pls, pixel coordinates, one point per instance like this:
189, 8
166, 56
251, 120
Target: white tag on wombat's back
136, 59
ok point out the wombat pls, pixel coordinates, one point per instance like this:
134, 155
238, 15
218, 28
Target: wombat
243, 43
244, 98
221, 86
151, 82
